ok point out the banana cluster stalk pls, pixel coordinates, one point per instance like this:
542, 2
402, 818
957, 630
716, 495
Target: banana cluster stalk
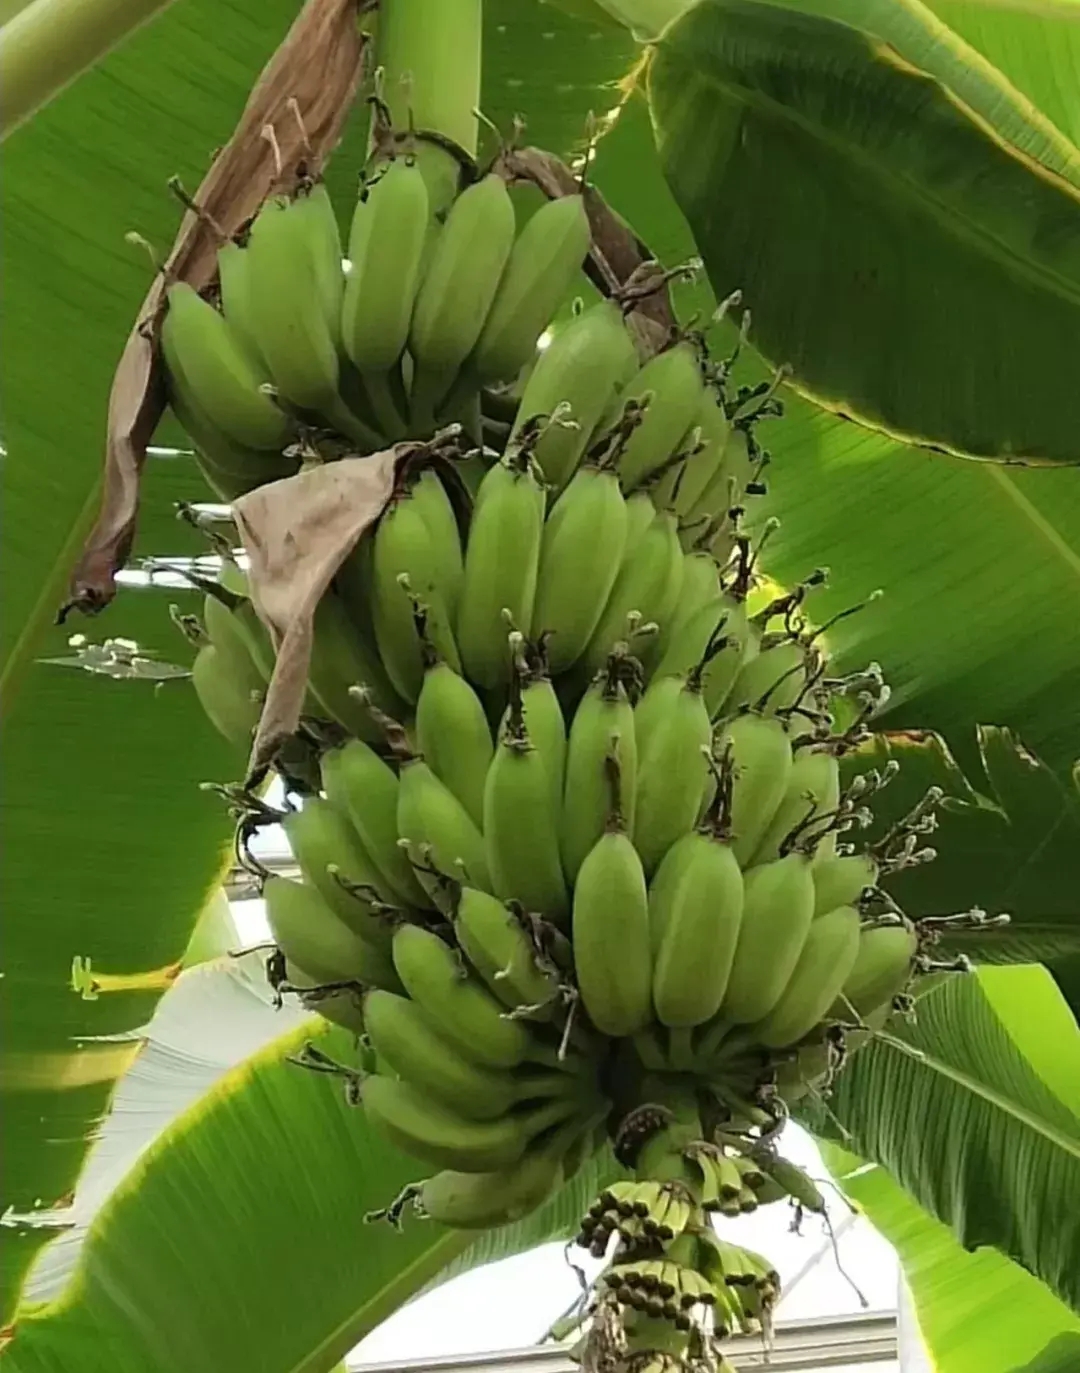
578, 829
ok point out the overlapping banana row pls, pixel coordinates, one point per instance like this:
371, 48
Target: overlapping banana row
300, 348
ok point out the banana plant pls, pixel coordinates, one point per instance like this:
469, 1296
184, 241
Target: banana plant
906, 233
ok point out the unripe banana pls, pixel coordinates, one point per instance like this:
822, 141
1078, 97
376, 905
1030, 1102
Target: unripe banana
309, 934
648, 582
323, 842
673, 383
673, 768
602, 723
457, 290
881, 969
700, 469
287, 314
365, 788
760, 752
229, 704
520, 835
580, 371
405, 1038
341, 660
773, 680
501, 562
386, 247
612, 952
342, 1007
495, 940
479, 1201
323, 236
778, 905
231, 644
541, 712
229, 468
409, 1119
813, 790
234, 287
727, 485
827, 957
840, 880
430, 499
584, 540
542, 266
461, 1009
440, 835
692, 629
208, 366
404, 549
453, 734
695, 910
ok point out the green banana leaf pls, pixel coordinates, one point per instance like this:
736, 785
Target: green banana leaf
280, 1147
976, 1311
953, 1083
874, 202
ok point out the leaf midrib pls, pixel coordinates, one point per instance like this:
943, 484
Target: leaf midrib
998, 1100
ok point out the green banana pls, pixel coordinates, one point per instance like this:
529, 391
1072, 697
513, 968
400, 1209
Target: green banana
430, 499
695, 912
584, 539
409, 1119
827, 957
774, 679
580, 371
386, 247
700, 469
813, 790
612, 949
603, 722
540, 710
543, 263
501, 563
309, 934
324, 842
453, 734
457, 290
761, 760
726, 487
694, 627
229, 468
404, 550
323, 236
881, 970
228, 703
405, 1039
212, 375
234, 289
778, 905
286, 313
496, 940
479, 1201
440, 837
521, 839
648, 583
461, 1010
673, 769
673, 383
341, 660
342, 1007
364, 787
840, 879
232, 644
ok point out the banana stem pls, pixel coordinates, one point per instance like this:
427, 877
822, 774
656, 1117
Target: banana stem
430, 54
51, 42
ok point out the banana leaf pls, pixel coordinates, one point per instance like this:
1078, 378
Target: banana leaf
953, 1082
975, 1310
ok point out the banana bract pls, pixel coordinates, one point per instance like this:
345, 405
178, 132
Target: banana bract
578, 809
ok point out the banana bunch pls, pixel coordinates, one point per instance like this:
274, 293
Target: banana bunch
579, 857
